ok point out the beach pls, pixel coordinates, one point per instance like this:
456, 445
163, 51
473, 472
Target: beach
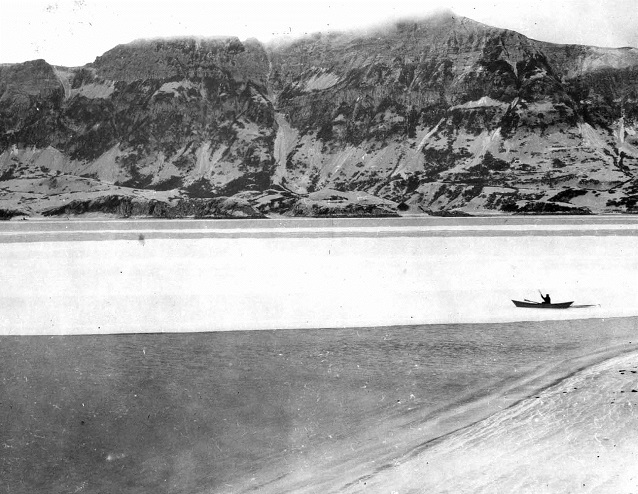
214, 358
579, 435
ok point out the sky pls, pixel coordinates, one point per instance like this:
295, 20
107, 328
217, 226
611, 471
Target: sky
74, 32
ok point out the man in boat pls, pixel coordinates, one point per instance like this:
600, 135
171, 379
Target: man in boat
546, 299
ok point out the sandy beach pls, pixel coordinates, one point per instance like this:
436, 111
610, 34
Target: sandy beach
579, 435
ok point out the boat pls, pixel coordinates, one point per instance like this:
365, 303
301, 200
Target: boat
538, 305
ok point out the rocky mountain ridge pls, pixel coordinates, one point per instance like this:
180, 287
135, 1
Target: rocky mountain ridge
443, 115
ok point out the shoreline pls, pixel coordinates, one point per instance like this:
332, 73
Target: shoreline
83, 230
99, 216
470, 459
322, 329
374, 471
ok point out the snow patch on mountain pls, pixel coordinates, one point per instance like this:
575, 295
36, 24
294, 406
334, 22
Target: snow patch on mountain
95, 90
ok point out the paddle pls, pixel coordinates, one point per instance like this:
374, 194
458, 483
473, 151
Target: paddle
543, 297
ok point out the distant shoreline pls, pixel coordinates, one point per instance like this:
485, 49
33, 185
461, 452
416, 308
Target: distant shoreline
110, 229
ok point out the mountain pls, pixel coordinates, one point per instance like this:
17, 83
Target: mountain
441, 115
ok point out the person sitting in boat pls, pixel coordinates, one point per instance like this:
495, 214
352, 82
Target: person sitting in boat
546, 299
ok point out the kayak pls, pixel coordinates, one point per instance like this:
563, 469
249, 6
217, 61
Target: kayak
538, 305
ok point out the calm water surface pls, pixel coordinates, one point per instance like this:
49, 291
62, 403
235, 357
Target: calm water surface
233, 411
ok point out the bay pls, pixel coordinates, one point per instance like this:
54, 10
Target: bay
130, 360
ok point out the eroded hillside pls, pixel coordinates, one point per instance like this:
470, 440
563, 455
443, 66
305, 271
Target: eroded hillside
439, 115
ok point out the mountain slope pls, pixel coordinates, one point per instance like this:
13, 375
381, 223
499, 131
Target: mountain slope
434, 115
450, 113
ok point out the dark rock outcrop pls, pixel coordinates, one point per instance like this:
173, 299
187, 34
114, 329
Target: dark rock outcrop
123, 206
324, 209
7, 214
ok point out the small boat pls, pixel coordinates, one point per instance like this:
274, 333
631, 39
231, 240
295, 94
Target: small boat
538, 305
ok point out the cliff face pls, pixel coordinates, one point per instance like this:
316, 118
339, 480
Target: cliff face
437, 115
448, 113
154, 114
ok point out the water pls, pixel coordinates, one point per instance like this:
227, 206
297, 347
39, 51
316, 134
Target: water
301, 409
271, 411
71, 277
